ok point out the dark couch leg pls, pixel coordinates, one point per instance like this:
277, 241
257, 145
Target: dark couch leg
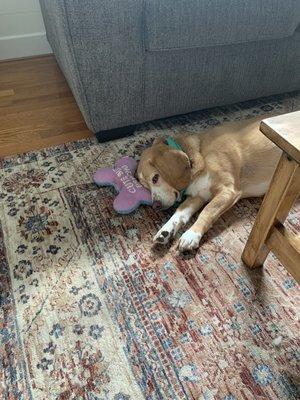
117, 133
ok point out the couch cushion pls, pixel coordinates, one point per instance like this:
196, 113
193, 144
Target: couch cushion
177, 24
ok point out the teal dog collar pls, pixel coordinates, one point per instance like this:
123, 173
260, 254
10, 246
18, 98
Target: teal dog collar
173, 144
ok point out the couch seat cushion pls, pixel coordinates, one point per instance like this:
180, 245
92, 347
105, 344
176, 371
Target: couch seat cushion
177, 24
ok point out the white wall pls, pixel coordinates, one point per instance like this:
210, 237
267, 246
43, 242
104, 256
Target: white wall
22, 31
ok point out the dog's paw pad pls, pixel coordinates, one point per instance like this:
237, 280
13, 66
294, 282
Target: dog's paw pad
162, 237
190, 240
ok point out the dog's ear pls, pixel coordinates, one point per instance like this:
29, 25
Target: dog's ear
174, 166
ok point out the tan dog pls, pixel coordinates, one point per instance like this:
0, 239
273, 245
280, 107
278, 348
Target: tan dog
218, 167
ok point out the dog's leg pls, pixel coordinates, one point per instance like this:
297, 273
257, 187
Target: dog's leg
181, 216
220, 203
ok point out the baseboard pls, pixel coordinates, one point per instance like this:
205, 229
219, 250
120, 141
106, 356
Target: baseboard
19, 46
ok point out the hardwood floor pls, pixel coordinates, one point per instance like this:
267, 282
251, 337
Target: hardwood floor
37, 108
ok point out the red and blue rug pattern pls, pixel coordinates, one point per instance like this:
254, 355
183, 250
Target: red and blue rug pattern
90, 310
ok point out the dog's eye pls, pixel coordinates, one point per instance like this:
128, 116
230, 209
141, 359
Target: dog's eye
155, 178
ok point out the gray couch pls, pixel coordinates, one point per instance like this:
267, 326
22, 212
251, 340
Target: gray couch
130, 61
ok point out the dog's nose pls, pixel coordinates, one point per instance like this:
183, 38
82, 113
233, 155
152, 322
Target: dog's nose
157, 205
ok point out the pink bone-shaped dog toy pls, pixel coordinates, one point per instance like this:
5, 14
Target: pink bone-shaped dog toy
131, 193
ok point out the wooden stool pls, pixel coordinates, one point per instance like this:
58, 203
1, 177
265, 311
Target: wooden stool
268, 232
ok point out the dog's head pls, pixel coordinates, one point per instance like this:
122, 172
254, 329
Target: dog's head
165, 172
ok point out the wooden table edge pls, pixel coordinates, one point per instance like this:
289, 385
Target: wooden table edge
284, 145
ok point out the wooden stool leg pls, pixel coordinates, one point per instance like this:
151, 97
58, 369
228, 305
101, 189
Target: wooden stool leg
277, 202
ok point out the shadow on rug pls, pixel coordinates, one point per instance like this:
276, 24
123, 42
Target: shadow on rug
89, 310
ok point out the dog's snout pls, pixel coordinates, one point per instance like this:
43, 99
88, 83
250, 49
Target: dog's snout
157, 205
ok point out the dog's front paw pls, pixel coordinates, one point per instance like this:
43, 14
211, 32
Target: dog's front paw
163, 236
190, 240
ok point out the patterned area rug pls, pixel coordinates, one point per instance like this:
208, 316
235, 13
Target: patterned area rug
90, 310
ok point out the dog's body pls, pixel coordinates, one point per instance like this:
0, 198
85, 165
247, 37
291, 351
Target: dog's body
219, 167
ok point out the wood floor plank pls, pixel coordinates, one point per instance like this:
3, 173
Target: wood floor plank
24, 147
7, 92
37, 108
